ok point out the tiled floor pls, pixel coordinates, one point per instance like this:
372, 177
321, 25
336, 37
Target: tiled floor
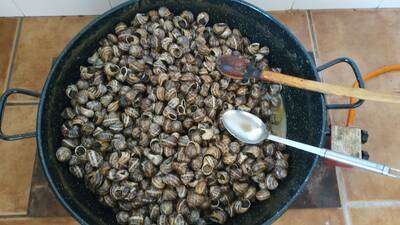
370, 37
39, 221
297, 22
41, 39
375, 215
17, 160
311, 217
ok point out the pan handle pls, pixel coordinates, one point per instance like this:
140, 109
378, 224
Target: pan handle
3, 100
357, 74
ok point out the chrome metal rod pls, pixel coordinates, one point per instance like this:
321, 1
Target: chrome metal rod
339, 157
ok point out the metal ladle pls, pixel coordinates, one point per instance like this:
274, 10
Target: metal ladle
250, 129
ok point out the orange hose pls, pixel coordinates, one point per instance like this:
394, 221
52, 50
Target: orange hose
352, 112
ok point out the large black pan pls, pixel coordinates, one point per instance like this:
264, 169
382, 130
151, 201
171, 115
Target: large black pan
306, 111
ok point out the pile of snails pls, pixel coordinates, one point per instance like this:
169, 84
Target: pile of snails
143, 128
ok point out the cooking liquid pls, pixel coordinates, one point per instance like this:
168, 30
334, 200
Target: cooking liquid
280, 128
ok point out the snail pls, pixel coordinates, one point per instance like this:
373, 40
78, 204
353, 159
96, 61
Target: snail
142, 129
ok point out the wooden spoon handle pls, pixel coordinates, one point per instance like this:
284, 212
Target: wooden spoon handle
310, 85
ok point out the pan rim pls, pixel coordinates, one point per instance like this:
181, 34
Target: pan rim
69, 47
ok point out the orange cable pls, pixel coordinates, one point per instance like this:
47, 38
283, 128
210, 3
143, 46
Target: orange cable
352, 112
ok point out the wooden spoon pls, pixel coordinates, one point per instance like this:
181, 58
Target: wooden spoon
237, 67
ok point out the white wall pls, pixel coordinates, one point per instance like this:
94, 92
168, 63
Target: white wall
93, 7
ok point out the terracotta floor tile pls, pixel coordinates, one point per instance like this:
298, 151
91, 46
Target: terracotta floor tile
370, 37
296, 21
331, 216
375, 215
17, 158
39, 221
8, 27
42, 39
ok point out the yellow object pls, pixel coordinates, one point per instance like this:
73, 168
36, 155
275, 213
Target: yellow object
352, 112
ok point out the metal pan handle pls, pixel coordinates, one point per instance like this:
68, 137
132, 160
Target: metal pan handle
3, 100
357, 74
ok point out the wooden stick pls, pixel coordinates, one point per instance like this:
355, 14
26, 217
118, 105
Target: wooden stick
310, 85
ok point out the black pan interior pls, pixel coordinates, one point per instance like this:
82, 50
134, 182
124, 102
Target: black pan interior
305, 110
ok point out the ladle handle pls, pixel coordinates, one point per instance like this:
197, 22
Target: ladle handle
339, 157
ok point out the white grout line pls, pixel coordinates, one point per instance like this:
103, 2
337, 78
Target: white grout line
363, 204
310, 33
315, 48
19, 8
380, 3
19, 103
109, 3
343, 196
291, 5
313, 35
12, 55
14, 215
